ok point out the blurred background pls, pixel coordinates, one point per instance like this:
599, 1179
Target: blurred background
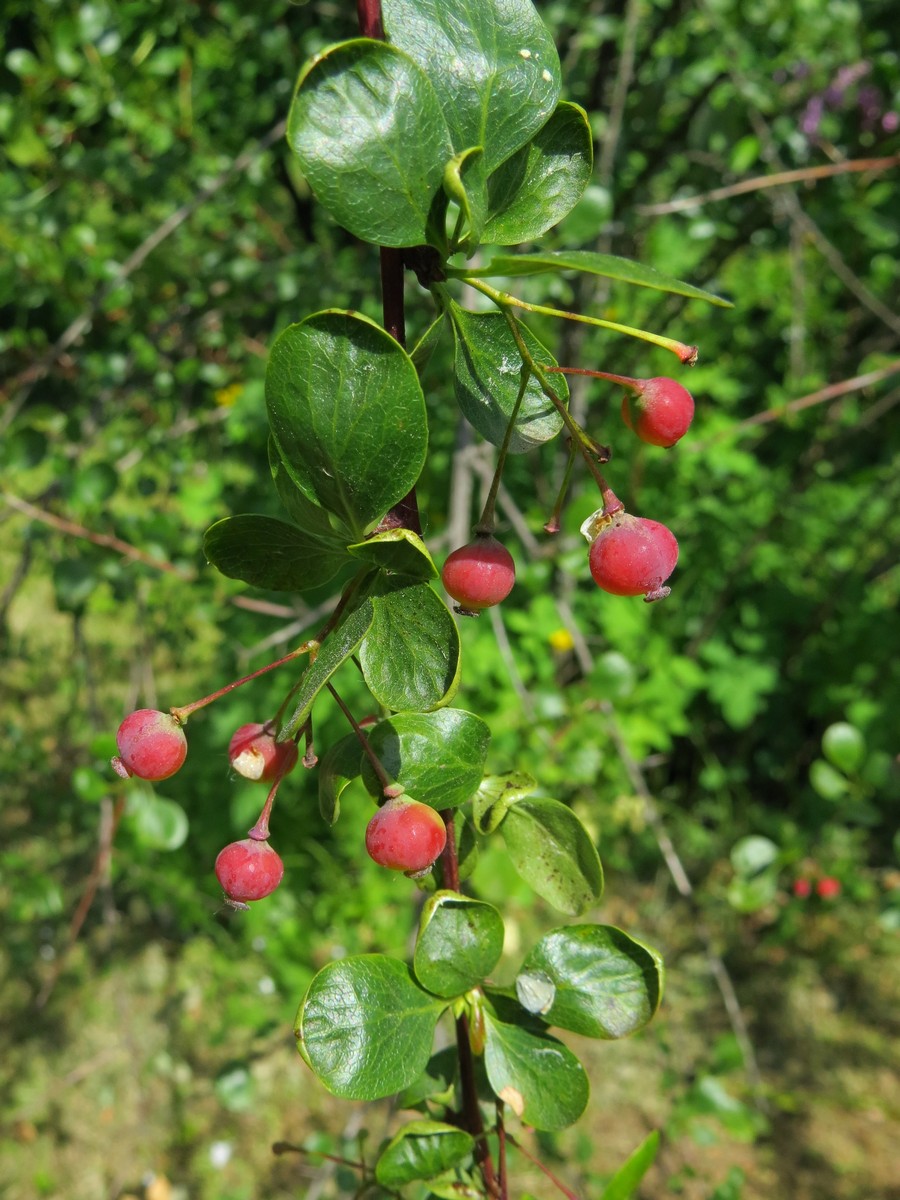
734, 749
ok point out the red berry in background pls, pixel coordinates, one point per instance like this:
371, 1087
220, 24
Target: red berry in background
248, 870
151, 745
632, 556
405, 835
480, 574
802, 888
659, 410
828, 888
254, 753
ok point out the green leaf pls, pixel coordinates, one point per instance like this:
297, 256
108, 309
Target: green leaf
610, 266
365, 1027
159, 824
465, 181
334, 651
338, 767
540, 184
607, 985
308, 516
844, 746
436, 1080
493, 66
421, 1150
627, 1179
424, 348
268, 553
372, 140
538, 1077
553, 852
829, 783
459, 943
438, 756
347, 415
397, 550
487, 378
410, 657
495, 795
751, 855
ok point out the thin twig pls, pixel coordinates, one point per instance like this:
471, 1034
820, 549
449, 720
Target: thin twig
760, 182
554, 1179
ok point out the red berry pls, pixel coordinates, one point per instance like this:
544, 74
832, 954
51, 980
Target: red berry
632, 556
828, 888
480, 574
405, 835
248, 870
151, 745
660, 412
254, 753
802, 888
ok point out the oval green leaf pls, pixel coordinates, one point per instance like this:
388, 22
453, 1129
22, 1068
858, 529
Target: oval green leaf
421, 1150
844, 746
372, 140
607, 984
338, 767
627, 1179
397, 550
495, 795
459, 943
365, 1027
347, 415
553, 852
487, 378
540, 184
438, 756
538, 1077
410, 657
268, 553
306, 515
610, 266
494, 67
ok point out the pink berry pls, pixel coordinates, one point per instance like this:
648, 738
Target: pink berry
828, 888
802, 888
405, 835
659, 410
254, 753
248, 870
632, 556
151, 745
480, 574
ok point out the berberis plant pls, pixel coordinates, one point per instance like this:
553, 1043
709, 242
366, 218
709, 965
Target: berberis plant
440, 130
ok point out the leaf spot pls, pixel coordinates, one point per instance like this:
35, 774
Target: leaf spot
546, 76
525, 53
513, 1098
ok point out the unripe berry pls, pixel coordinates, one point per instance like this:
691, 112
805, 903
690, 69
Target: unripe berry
659, 410
248, 870
632, 556
480, 574
828, 888
405, 835
151, 745
254, 753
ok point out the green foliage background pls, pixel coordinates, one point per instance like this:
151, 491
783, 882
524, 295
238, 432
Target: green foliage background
150, 425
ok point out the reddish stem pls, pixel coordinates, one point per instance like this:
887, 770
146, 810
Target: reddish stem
182, 714
567, 1192
635, 385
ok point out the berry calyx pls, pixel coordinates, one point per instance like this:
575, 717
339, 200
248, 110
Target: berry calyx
658, 410
405, 835
479, 575
248, 870
632, 556
254, 753
151, 745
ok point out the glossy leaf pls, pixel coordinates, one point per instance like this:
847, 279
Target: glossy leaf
334, 651
338, 767
487, 378
372, 140
438, 756
436, 1080
410, 657
494, 67
459, 943
495, 795
627, 1179
610, 266
540, 184
538, 1077
844, 746
347, 415
268, 553
397, 550
422, 1150
607, 985
365, 1027
465, 181
553, 852
308, 516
